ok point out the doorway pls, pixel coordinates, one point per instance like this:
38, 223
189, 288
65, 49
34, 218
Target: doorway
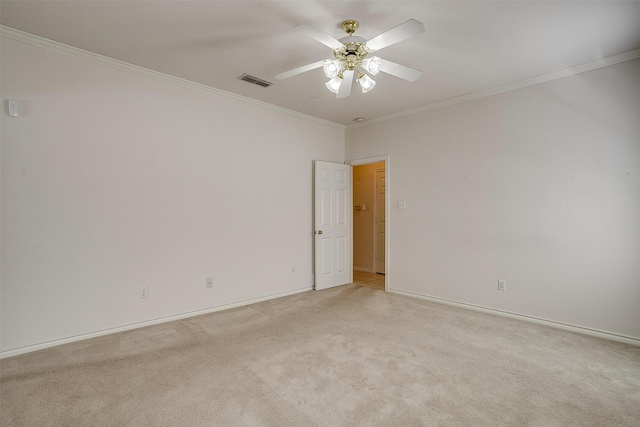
370, 208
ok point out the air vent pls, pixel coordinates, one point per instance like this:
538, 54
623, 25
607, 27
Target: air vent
255, 80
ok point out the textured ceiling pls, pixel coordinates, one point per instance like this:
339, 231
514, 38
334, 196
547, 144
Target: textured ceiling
467, 46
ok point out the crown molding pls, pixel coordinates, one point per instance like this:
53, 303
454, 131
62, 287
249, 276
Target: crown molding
590, 66
44, 43
31, 39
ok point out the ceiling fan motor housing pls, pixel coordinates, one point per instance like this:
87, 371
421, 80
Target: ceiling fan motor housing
353, 52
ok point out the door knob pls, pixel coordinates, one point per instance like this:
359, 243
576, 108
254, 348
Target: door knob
319, 231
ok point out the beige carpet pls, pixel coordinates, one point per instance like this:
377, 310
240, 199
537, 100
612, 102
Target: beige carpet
348, 356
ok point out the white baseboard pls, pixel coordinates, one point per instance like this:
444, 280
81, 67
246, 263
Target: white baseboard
54, 343
573, 328
552, 323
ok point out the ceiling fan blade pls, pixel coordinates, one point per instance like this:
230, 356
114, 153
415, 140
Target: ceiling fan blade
397, 34
407, 73
319, 35
300, 70
345, 87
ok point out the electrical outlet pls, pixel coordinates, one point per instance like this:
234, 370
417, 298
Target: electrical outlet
209, 282
502, 285
293, 270
143, 292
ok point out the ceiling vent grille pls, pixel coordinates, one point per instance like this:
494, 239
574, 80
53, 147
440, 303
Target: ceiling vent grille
255, 80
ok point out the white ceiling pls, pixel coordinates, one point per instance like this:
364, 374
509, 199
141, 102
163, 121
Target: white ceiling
467, 46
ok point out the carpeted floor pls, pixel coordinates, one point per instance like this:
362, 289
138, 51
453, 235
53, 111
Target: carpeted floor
348, 356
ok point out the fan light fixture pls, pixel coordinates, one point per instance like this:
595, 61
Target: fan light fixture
366, 82
330, 68
372, 65
351, 60
351, 57
334, 84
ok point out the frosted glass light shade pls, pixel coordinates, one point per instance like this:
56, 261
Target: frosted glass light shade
334, 84
366, 83
372, 65
330, 68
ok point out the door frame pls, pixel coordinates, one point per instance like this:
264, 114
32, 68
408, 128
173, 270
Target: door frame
376, 236
387, 226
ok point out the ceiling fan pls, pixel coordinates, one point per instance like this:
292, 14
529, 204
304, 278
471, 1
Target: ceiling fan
351, 55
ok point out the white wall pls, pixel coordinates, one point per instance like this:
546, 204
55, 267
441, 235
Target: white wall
539, 187
112, 181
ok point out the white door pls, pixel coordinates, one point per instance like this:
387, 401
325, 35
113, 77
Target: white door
333, 220
380, 221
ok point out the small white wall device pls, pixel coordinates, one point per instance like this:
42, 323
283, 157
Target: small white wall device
13, 108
